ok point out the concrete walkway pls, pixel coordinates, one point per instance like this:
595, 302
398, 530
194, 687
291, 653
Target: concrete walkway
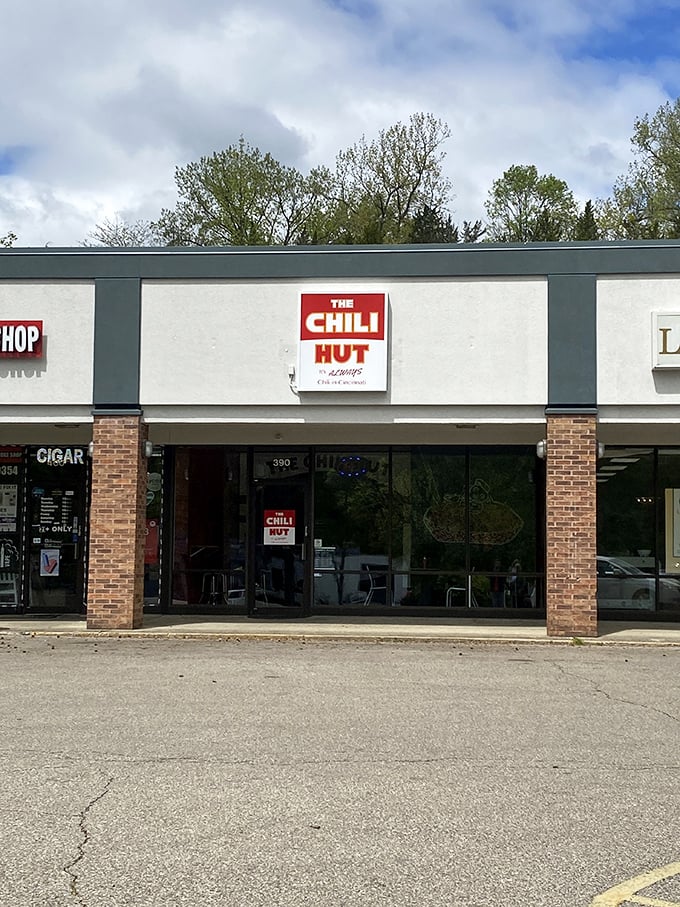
378, 629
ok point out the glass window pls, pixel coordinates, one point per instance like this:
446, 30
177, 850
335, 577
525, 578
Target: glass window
210, 525
152, 538
423, 526
351, 527
626, 548
464, 524
668, 529
12, 472
429, 510
502, 501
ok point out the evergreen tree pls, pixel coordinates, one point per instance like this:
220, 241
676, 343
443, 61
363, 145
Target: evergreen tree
586, 225
431, 226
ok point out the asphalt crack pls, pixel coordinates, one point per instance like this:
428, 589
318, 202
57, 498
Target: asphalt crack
70, 868
598, 689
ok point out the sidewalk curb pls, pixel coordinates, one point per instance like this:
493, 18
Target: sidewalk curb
306, 638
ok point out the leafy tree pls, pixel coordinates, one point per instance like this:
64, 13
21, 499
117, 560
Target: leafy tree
586, 225
629, 214
118, 233
645, 203
380, 185
525, 207
242, 197
390, 189
8, 240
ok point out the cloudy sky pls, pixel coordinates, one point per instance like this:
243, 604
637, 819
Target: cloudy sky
101, 100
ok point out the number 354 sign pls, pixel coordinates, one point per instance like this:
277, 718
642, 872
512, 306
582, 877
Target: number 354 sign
279, 527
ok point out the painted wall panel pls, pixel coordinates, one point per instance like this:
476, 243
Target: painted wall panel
452, 342
64, 374
624, 336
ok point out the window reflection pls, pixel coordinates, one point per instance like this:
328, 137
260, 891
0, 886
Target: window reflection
626, 555
435, 528
210, 519
351, 528
406, 527
429, 515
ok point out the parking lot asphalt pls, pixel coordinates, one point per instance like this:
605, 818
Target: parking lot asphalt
140, 772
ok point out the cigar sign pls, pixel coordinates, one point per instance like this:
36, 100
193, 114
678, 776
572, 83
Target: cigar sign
279, 527
21, 339
343, 342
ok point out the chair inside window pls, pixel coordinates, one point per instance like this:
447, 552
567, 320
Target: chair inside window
373, 583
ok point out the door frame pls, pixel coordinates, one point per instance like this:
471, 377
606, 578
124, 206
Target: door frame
83, 483
304, 482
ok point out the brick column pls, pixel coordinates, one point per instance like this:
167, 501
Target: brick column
115, 586
571, 529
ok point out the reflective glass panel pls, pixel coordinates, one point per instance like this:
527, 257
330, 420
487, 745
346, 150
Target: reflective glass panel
502, 502
667, 506
351, 527
429, 510
211, 513
626, 555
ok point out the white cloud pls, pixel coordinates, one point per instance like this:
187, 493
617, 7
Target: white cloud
108, 98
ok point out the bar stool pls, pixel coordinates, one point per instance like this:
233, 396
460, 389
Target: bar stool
214, 589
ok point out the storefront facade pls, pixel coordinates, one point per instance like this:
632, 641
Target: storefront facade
414, 430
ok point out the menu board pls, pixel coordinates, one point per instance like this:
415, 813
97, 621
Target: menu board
55, 512
9, 501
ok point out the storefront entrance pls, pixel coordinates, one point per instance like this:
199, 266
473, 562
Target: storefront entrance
300, 530
57, 529
281, 557
43, 529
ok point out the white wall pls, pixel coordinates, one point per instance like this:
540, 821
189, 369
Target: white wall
625, 377
63, 377
466, 342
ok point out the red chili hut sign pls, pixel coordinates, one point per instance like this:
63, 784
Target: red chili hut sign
343, 342
279, 527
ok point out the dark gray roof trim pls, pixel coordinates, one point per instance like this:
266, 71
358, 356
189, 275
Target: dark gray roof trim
325, 262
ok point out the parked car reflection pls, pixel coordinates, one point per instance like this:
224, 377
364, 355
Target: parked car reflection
623, 585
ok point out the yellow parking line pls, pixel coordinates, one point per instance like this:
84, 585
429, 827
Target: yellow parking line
626, 890
652, 902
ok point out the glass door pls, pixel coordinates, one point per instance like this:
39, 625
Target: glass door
279, 584
57, 501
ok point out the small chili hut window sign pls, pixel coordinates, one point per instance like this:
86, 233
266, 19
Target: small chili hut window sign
279, 527
21, 339
343, 342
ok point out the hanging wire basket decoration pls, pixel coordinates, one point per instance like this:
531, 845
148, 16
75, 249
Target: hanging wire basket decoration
491, 522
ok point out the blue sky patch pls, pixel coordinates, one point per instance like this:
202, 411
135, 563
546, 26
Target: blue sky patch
646, 36
362, 9
11, 158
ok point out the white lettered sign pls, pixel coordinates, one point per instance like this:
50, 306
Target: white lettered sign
665, 340
343, 342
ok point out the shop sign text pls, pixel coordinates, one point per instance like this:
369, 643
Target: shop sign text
60, 456
21, 339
